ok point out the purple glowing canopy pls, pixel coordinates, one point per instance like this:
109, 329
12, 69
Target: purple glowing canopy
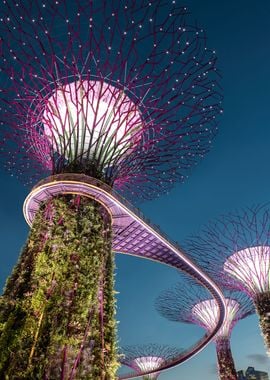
190, 303
147, 357
235, 250
163, 92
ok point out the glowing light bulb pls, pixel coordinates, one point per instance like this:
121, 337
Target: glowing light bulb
92, 120
251, 268
206, 312
148, 363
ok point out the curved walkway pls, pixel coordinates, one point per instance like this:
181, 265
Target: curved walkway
134, 235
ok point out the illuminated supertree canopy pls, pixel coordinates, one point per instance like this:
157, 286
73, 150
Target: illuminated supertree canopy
147, 358
126, 91
235, 250
191, 304
94, 94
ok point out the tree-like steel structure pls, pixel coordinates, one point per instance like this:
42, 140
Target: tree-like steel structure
147, 358
125, 92
238, 247
191, 304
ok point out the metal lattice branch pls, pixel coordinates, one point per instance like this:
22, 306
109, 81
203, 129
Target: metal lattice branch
193, 304
125, 91
235, 250
148, 357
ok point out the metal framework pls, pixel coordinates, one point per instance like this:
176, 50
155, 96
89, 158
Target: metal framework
191, 304
148, 358
235, 250
238, 247
124, 91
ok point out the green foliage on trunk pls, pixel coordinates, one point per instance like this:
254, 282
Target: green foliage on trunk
57, 311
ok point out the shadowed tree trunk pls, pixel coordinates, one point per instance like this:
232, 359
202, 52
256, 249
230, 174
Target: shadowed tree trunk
262, 304
225, 360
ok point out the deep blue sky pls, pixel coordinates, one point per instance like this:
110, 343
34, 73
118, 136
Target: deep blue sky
234, 174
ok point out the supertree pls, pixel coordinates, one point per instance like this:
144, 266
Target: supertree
147, 358
235, 250
191, 304
95, 94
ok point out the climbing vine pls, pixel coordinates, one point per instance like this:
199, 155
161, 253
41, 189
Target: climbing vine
57, 311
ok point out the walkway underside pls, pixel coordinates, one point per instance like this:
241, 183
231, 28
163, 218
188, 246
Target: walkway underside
132, 235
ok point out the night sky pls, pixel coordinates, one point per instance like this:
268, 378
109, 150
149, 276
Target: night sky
233, 175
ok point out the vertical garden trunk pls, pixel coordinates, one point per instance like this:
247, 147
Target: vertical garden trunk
57, 310
262, 304
225, 360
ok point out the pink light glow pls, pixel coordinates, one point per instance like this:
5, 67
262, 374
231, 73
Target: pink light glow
146, 61
92, 119
148, 358
207, 314
147, 363
250, 267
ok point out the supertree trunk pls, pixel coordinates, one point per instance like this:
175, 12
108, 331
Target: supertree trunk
262, 304
225, 360
57, 310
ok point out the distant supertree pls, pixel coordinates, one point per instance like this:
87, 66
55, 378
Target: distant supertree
235, 250
191, 304
147, 358
125, 92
